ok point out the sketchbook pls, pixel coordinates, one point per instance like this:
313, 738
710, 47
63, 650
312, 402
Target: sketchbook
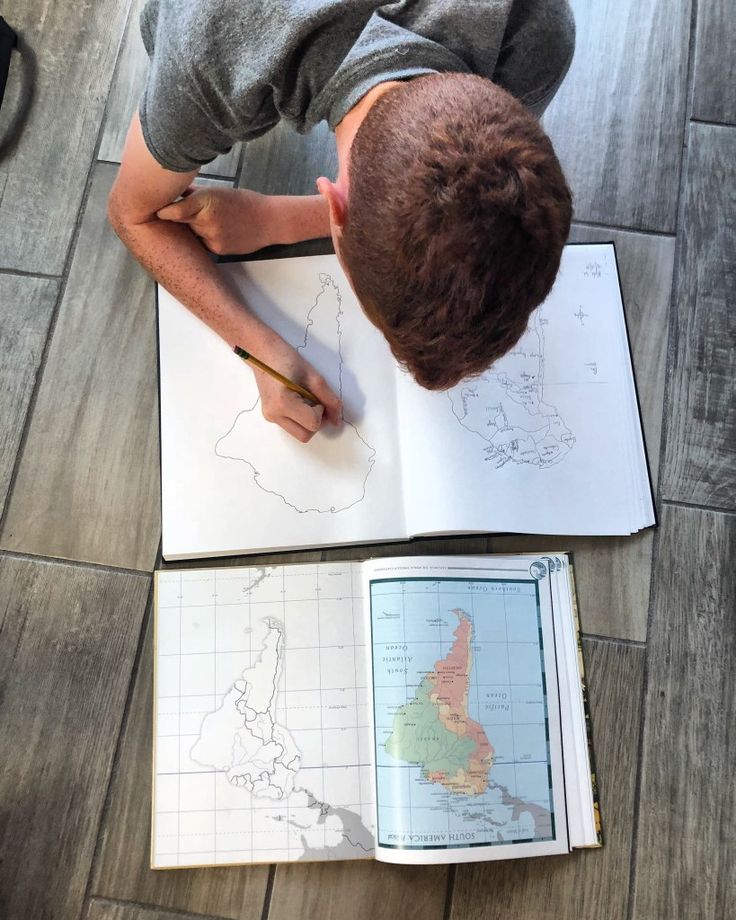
415, 710
548, 440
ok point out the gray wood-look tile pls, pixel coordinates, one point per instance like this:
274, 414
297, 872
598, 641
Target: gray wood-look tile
714, 97
26, 305
686, 845
69, 640
121, 870
283, 162
588, 884
700, 454
126, 92
102, 909
44, 178
364, 890
617, 120
87, 486
612, 578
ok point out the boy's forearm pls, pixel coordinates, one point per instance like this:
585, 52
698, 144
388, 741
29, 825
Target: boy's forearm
179, 262
299, 217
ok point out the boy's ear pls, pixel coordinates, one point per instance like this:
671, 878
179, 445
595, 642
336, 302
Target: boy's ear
336, 200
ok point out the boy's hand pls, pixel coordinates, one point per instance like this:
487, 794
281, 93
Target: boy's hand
286, 408
228, 221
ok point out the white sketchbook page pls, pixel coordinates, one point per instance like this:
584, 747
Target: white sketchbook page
261, 740
232, 482
544, 441
517, 803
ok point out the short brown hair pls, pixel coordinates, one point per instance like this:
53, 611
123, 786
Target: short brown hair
457, 214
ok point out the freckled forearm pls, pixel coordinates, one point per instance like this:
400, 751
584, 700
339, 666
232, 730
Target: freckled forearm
299, 217
178, 261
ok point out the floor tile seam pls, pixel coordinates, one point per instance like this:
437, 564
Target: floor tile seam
73, 563
21, 273
117, 753
156, 909
63, 282
622, 228
671, 348
614, 640
695, 506
710, 123
268, 894
449, 893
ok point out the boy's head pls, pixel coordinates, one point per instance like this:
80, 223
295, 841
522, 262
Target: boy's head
456, 216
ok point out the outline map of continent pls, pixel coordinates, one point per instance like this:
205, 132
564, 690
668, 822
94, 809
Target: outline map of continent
505, 407
329, 474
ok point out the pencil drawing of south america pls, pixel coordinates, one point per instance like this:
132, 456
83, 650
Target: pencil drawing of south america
330, 473
505, 406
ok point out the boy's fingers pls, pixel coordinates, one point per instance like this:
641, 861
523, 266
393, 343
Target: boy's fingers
295, 430
305, 415
183, 210
332, 405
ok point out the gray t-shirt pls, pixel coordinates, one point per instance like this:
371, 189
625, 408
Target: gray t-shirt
223, 71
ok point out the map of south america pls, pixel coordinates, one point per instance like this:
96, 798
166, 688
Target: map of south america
329, 474
505, 406
242, 738
435, 730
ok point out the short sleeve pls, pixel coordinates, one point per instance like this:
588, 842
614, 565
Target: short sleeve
179, 128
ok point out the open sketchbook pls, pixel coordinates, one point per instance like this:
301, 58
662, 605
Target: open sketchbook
547, 441
419, 710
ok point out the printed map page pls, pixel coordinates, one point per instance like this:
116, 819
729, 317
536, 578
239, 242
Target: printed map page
461, 713
262, 747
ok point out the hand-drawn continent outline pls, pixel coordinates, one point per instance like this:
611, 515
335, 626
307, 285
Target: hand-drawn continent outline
326, 280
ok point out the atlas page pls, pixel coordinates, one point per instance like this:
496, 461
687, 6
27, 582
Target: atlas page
233, 483
465, 710
548, 440
262, 738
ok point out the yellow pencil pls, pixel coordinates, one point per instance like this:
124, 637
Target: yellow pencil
289, 384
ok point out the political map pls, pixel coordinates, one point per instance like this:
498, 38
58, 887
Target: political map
462, 751
262, 728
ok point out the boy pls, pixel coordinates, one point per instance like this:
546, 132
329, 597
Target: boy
449, 211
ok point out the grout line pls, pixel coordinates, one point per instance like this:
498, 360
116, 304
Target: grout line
446, 914
64, 280
713, 124
694, 506
621, 228
159, 912
633, 852
117, 753
73, 563
615, 640
672, 345
269, 892
23, 274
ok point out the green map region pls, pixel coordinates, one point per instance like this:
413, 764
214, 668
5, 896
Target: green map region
434, 729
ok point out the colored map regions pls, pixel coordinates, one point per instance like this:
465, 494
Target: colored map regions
241, 736
329, 474
435, 730
505, 407
460, 713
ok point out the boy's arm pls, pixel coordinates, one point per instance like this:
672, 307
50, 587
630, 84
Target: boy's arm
177, 259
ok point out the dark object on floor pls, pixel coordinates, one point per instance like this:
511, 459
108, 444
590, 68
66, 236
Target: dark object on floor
9, 41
